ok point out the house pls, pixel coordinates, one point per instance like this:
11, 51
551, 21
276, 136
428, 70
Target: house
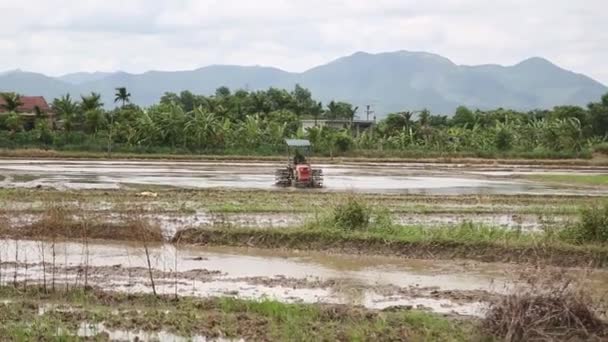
31, 107
357, 126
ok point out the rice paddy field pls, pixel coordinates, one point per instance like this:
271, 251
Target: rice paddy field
202, 250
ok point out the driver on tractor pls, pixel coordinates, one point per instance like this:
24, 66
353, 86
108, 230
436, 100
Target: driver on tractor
298, 158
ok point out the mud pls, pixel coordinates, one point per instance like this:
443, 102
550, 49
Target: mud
374, 282
250, 273
376, 178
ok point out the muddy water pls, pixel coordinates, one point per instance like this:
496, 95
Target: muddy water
380, 178
295, 276
91, 330
375, 282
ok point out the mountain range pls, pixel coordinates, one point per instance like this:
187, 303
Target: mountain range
389, 82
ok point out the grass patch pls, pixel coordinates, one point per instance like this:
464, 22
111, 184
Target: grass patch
467, 241
572, 179
264, 320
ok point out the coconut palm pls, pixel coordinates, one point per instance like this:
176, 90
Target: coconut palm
67, 110
122, 95
90, 102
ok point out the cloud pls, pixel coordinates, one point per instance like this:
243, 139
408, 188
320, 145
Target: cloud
60, 36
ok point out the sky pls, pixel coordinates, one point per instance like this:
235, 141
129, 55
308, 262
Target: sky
62, 36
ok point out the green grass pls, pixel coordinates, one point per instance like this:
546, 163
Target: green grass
233, 318
467, 241
571, 179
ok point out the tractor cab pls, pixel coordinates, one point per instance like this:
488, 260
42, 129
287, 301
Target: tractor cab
298, 171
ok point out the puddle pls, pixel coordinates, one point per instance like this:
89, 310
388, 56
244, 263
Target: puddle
90, 330
291, 276
376, 178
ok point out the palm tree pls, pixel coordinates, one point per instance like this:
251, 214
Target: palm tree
91, 102
351, 113
333, 110
122, 95
66, 108
424, 117
317, 110
12, 101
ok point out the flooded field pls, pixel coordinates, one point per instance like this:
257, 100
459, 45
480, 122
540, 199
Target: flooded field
374, 178
461, 287
171, 225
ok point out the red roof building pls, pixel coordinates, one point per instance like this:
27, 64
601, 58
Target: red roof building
29, 104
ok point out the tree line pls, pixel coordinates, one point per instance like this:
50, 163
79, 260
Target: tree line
256, 122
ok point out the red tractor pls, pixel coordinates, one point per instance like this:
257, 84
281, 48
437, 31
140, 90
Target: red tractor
298, 172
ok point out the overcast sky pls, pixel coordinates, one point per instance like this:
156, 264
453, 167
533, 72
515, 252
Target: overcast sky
61, 36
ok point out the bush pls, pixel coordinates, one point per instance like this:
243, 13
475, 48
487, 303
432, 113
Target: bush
343, 142
601, 148
352, 215
592, 226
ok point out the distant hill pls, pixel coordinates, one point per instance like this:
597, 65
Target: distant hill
391, 81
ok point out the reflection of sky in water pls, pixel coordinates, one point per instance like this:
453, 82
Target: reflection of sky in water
400, 178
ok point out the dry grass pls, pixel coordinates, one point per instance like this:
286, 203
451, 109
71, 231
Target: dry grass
58, 222
548, 307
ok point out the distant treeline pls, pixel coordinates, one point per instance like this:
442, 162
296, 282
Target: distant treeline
256, 122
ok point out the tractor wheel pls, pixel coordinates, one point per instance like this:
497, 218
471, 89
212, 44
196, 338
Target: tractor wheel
282, 177
317, 178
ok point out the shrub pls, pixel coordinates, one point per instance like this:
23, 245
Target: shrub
504, 139
352, 215
592, 226
343, 142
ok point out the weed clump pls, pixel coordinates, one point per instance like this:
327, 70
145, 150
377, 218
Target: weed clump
548, 308
592, 226
352, 215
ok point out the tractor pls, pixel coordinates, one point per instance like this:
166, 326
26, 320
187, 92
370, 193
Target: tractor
298, 171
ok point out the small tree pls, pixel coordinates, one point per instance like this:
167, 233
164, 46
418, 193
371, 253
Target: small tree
43, 132
14, 123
